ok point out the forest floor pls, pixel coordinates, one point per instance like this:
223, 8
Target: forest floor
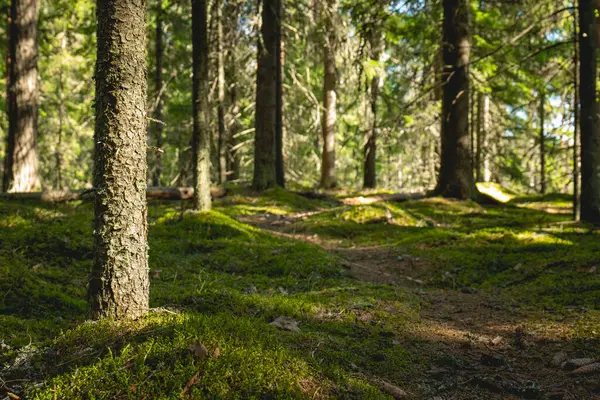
281, 296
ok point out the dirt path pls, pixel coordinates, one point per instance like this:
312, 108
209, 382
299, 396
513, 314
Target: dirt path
478, 345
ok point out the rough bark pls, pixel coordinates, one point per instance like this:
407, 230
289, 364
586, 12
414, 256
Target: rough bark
370, 151
279, 165
222, 138
542, 117
21, 161
266, 97
590, 134
158, 128
201, 135
576, 149
328, 177
119, 285
455, 176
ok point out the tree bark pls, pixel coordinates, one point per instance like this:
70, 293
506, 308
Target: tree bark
119, 285
542, 117
456, 177
590, 134
576, 149
328, 177
266, 97
370, 152
201, 135
222, 139
157, 127
21, 161
230, 38
279, 165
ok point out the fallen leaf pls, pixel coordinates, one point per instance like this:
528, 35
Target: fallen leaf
285, 323
216, 353
155, 273
13, 396
193, 380
497, 340
36, 267
198, 350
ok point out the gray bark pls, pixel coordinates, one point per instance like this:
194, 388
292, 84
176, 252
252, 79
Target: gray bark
119, 285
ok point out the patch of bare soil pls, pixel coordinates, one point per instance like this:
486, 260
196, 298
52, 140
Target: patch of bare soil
476, 345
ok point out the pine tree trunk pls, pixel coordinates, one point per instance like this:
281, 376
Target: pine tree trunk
370, 152
590, 133
230, 36
456, 177
157, 127
266, 97
542, 143
21, 161
201, 135
576, 149
119, 286
477, 147
328, 177
279, 166
222, 139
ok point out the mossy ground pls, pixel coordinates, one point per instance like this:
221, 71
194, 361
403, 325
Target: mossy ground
220, 281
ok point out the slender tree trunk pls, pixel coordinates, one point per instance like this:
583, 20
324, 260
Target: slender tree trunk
279, 165
61, 123
222, 139
234, 156
476, 147
456, 177
119, 285
328, 177
21, 162
576, 148
542, 142
157, 127
266, 97
590, 133
200, 86
370, 152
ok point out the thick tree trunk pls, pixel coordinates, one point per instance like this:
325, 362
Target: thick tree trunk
266, 97
542, 117
222, 139
119, 285
157, 127
370, 152
21, 161
456, 177
328, 177
590, 133
201, 135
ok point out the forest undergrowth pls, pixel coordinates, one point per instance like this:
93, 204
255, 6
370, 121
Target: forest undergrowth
282, 296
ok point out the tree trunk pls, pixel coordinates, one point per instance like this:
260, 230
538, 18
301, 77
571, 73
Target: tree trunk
455, 177
230, 38
542, 142
222, 139
590, 134
279, 167
119, 285
21, 161
328, 178
61, 122
201, 135
370, 168
157, 127
266, 97
576, 149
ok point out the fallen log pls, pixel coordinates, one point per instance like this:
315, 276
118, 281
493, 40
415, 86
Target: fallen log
152, 193
396, 197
